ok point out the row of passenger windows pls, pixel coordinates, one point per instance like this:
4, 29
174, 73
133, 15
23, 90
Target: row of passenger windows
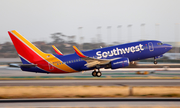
71, 61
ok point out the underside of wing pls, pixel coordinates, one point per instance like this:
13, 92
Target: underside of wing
91, 62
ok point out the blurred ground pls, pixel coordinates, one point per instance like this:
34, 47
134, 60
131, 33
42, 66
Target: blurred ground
106, 73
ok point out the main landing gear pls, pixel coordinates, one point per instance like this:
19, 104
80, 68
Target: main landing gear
97, 73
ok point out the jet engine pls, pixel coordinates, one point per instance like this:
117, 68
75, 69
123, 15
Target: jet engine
118, 63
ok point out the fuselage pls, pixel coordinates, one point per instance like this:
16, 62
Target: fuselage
133, 51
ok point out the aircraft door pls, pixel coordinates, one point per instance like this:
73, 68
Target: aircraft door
51, 67
151, 48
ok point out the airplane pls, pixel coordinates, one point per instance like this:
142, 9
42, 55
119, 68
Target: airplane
113, 57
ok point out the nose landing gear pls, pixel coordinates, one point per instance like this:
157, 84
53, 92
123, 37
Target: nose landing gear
155, 62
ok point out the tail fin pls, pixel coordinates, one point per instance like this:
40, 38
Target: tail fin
25, 49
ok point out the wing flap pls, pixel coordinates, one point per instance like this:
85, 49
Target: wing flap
92, 64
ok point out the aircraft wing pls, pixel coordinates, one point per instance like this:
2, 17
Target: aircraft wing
91, 62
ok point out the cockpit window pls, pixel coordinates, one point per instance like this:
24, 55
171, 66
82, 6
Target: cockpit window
159, 43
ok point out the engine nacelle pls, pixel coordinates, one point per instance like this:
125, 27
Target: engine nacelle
119, 63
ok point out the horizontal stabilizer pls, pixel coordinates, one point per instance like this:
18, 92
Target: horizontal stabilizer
27, 65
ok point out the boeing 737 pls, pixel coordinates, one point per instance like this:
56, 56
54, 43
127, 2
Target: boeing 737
114, 57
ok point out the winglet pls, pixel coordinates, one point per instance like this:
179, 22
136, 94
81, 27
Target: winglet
57, 51
79, 53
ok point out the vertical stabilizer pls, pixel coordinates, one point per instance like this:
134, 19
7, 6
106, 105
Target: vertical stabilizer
25, 49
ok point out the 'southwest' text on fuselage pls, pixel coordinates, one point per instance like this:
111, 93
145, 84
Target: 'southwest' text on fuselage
118, 51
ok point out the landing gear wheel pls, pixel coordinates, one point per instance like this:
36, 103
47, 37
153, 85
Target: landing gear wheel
94, 73
98, 74
155, 62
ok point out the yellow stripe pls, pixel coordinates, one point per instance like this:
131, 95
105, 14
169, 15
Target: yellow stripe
56, 62
49, 57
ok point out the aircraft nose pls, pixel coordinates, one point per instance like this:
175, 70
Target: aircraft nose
167, 47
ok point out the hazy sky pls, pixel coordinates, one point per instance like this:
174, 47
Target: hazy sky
37, 19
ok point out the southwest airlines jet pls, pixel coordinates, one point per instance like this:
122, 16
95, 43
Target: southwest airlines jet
119, 56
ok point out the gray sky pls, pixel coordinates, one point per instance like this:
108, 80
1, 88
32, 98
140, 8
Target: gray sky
37, 19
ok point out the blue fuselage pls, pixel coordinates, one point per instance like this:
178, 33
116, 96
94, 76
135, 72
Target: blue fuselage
133, 51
